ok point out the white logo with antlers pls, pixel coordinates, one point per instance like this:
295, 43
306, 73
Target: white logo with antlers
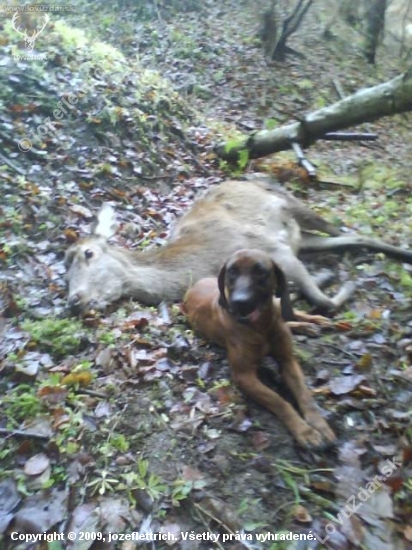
29, 40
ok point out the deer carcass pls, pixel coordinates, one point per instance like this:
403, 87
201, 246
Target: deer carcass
230, 216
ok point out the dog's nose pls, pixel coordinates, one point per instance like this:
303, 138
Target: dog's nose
242, 303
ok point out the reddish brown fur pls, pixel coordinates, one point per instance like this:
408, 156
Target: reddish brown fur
263, 332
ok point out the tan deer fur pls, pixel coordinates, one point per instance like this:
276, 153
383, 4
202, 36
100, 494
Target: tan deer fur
230, 216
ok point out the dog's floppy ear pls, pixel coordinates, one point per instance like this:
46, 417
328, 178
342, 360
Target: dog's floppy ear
283, 293
221, 283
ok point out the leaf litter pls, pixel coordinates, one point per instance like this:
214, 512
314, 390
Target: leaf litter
134, 385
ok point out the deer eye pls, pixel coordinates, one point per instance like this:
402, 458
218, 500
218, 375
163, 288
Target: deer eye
88, 254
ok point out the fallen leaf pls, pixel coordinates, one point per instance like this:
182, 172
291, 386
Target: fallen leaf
82, 378
53, 395
191, 474
345, 384
352, 527
365, 362
84, 519
174, 529
9, 499
81, 211
115, 514
302, 515
41, 511
103, 409
343, 325
260, 440
71, 235
36, 465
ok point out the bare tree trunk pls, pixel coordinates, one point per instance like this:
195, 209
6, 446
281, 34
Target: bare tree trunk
375, 22
349, 10
389, 98
274, 33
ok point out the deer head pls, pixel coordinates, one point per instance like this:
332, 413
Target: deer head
95, 273
29, 40
99, 273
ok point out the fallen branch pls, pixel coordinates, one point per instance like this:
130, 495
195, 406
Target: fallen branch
22, 433
303, 161
12, 165
389, 98
339, 88
350, 136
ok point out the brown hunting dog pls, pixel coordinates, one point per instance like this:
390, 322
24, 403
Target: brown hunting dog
238, 312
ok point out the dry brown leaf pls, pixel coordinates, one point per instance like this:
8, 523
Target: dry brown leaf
191, 474
71, 235
365, 362
302, 515
82, 378
260, 440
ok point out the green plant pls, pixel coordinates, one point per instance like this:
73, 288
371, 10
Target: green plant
103, 483
115, 443
67, 437
107, 338
21, 403
181, 489
242, 159
144, 480
271, 123
57, 336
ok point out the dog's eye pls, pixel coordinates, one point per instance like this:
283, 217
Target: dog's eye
260, 271
88, 254
231, 273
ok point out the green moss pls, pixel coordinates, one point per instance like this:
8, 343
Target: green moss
21, 403
57, 336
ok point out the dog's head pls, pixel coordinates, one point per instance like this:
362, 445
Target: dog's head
247, 283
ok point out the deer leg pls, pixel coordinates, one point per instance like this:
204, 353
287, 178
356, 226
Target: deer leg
297, 272
322, 279
315, 243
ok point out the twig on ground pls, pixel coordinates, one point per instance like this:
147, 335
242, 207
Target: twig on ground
22, 433
303, 161
201, 511
12, 165
338, 88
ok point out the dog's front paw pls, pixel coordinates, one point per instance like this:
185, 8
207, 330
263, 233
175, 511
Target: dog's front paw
311, 438
314, 419
302, 327
320, 321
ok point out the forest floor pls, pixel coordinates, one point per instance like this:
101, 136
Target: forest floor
125, 420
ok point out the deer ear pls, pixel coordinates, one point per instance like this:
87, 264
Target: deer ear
283, 292
105, 224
